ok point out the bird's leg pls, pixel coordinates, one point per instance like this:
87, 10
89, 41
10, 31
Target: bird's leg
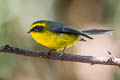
46, 55
62, 54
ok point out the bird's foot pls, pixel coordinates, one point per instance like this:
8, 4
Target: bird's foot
47, 53
62, 56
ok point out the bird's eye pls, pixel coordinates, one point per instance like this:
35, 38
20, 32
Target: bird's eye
38, 28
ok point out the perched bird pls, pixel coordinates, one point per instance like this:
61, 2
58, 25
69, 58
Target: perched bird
59, 36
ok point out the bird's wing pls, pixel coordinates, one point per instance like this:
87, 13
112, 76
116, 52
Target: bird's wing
60, 28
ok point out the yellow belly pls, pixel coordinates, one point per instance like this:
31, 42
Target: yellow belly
55, 41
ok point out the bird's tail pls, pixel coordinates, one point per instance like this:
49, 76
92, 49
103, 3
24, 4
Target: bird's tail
97, 31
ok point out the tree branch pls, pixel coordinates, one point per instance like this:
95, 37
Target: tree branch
56, 56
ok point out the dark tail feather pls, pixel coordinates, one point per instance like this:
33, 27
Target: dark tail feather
97, 31
86, 36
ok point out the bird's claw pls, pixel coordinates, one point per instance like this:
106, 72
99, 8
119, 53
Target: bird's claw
61, 56
47, 53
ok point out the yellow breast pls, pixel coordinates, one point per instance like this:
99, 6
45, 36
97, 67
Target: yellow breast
53, 40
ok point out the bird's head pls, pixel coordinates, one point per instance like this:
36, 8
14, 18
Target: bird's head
38, 26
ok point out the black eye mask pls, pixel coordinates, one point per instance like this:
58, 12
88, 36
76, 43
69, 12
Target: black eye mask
37, 29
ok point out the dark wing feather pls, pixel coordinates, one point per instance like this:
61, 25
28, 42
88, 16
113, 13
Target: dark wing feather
61, 28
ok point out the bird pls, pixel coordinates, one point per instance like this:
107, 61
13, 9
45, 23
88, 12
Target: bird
58, 36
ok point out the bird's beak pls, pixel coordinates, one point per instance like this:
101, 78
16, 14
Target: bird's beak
29, 31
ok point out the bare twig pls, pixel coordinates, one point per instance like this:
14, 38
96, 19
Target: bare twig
56, 56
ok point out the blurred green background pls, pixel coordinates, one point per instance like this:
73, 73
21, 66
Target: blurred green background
17, 15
